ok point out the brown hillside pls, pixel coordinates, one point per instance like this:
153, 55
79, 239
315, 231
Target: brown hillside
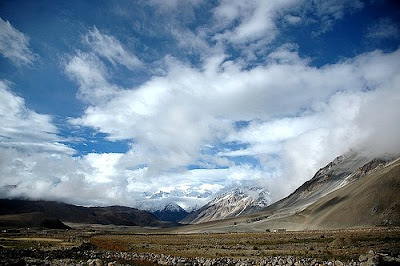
372, 200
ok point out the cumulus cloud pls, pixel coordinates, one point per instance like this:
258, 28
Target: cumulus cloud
170, 126
171, 129
361, 119
102, 179
49, 176
14, 45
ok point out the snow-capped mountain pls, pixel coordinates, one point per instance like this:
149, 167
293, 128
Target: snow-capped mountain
181, 193
231, 204
171, 212
179, 200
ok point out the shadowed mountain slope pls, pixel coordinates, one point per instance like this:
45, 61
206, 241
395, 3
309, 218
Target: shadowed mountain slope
32, 219
117, 215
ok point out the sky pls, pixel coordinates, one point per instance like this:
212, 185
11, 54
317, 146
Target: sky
142, 103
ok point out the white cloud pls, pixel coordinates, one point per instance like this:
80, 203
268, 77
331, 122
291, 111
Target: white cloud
255, 20
44, 175
101, 179
111, 49
14, 45
293, 19
362, 119
91, 75
385, 28
328, 12
249, 27
171, 118
24, 128
185, 7
335, 9
241, 22
103, 165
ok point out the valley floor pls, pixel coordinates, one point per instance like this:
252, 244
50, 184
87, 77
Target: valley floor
123, 247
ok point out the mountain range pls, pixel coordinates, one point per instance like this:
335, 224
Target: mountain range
351, 191
180, 193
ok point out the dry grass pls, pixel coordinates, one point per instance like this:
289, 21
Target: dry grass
35, 242
53, 239
344, 245
338, 244
39, 239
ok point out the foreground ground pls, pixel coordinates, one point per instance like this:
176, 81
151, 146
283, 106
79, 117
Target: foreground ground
92, 245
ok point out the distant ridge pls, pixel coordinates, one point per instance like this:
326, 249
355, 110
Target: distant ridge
116, 215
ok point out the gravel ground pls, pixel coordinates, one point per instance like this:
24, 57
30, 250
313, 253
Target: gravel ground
86, 255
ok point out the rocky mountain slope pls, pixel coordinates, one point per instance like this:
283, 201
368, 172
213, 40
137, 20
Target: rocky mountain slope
171, 212
351, 191
373, 199
342, 171
116, 215
336, 174
236, 202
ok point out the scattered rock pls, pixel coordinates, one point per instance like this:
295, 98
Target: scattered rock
339, 263
363, 258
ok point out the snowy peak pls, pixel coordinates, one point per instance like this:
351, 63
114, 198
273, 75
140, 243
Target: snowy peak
173, 207
172, 212
254, 197
233, 203
180, 193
